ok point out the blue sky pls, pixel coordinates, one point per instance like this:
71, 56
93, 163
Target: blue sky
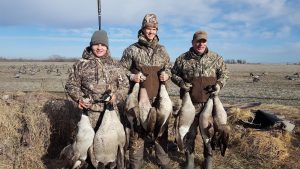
258, 31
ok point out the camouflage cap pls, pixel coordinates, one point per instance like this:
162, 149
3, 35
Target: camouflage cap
150, 20
200, 35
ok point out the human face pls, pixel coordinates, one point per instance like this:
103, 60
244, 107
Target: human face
99, 50
150, 33
199, 45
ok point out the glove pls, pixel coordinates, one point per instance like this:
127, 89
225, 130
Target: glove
186, 86
163, 77
215, 90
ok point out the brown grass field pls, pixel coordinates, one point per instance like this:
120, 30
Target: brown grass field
37, 119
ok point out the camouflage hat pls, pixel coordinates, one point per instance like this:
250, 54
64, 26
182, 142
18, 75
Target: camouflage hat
150, 20
99, 37
200, 35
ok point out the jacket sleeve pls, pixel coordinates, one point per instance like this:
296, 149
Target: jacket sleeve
222, 72
73, 84
126, 60
176, 73
167, 63
122, 84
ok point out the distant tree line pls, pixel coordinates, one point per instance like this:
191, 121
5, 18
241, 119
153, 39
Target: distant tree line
293, 63
52, 58
233, 61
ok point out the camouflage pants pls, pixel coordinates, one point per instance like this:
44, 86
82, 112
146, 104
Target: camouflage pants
137, 143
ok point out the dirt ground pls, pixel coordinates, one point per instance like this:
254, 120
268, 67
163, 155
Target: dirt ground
33, 101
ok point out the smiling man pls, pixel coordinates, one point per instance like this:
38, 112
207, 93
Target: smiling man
150, 56
200, 68
95, 73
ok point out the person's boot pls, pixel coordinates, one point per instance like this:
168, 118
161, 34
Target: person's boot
190, 164
208, 162
162, 156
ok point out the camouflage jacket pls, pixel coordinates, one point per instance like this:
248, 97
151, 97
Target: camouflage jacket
144, 53
190, 65
92, 76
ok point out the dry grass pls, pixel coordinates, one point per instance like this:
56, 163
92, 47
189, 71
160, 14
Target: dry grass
52, 125
51, 121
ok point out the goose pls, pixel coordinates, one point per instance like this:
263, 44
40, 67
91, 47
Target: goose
132, 107
132, 110
206, 122
222, 130
145, 106
75, 154
185, 119
255, 78
108, 145
164, 108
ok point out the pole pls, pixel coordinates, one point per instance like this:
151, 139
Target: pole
99, 13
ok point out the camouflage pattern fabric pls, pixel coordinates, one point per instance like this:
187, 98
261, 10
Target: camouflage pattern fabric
144, 53
191, 65
92, 76
150, 20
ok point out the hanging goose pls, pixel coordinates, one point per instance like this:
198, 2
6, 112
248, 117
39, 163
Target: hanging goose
145, 106
206, 122
185, 119
107, 149
222, 130
164, 108
75, 154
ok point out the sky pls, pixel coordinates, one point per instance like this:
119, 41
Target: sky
257, 31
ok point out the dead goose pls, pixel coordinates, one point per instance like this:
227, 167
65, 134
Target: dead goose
206, 122
222, 130
75, 154
107, 149
132, 110
132, 105
145, 106
186, 117
164, 107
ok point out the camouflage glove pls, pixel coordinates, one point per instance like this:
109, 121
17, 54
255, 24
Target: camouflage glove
215, 90
186, 86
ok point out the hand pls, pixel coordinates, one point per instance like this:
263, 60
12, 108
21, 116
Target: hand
113, 99
135, 77
163, 77
216, 89
85, 103
186, 86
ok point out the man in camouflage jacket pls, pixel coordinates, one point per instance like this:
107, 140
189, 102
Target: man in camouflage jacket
147, 53
94, 74
200, 67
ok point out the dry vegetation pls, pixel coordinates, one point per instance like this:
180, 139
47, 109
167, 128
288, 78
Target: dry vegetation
35, 126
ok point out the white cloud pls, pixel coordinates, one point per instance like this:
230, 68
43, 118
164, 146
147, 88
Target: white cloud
232, 21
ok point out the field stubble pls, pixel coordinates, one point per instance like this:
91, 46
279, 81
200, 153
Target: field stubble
247, 149
272, 88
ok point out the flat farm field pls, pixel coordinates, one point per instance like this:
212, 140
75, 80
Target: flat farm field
37, 120
273, 85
